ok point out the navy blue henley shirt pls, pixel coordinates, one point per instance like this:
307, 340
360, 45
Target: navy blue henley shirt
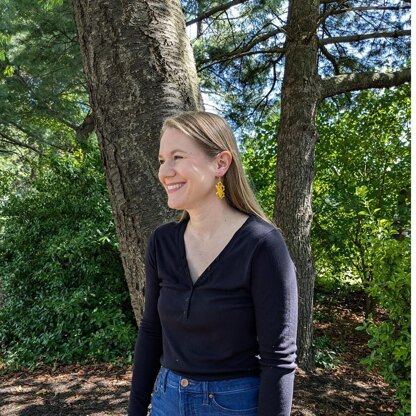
238, 319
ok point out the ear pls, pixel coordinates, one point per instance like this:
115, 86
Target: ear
222, 163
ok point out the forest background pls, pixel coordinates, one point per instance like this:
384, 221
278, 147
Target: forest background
66, 293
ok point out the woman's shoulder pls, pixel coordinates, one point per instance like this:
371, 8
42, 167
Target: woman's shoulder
264, 232
270, 241
166, 230
260, 228
164, 237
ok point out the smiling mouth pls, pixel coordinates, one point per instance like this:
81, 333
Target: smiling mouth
175, 187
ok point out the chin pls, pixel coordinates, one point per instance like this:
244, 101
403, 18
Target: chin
174, 205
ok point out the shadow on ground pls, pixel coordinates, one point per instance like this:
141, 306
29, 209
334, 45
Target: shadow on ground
103, 391
91, 391
341, 392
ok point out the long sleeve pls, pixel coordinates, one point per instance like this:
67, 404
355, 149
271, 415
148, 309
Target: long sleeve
274, 291
148, 349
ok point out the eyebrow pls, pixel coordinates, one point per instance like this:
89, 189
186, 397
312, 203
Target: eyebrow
174, 151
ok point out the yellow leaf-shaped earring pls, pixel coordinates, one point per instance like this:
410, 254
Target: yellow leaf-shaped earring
220, 189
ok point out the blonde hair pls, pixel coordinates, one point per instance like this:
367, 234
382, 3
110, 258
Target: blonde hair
214, 135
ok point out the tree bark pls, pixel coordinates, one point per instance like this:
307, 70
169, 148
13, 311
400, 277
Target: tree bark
302, 92
364, 36
139, 69
296, 149
360, 81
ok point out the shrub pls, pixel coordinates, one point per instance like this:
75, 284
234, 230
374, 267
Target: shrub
65, 297
390, 287
327, 352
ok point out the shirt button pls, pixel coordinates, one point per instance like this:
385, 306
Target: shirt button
184, 382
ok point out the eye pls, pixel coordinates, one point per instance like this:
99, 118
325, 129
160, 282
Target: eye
176, 157
161, 161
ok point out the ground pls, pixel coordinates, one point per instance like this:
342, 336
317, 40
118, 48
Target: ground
102, 389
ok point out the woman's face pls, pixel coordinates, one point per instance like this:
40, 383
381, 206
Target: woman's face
186, 172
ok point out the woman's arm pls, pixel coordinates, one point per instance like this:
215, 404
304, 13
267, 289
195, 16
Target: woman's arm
274, 291
148, 348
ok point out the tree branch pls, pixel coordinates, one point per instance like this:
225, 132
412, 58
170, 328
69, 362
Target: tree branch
266, 97
361, 81
325, 51
363, 9
214, 10
330, 58
246, 50
260, 39
33, 135
86, 127
11, 140
323, 16
233, 56
340, 1
8, 152
358, 38
237, 53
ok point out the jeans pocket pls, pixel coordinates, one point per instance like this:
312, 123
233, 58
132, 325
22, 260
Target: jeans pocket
242, 402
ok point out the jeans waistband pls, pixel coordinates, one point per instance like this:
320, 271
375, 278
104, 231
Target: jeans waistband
168, 377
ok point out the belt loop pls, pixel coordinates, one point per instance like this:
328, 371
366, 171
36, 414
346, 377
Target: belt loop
205, 387
164, 380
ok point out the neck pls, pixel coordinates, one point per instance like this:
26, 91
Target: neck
206, 222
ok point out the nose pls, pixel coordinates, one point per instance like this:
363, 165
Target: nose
166, 170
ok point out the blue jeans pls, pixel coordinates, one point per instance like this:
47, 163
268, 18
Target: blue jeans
175, 395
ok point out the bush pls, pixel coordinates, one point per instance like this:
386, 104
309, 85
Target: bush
65, 297
390, 287
327, 352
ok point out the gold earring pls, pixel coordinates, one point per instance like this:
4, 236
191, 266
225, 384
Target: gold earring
220, 189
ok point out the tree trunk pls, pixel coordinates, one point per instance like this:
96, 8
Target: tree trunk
139, 68
296, 151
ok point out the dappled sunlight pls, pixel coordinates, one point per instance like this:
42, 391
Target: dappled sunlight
329, 392
349, 389
93, 391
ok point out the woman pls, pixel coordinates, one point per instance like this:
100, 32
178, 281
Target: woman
221, 298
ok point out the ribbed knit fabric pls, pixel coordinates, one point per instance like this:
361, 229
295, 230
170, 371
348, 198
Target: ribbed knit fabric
238, 319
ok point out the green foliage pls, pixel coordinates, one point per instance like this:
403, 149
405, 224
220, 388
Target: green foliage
362, 217
65, 297
361, 203
364, 148
326, 352
239, 52
229, 58
323, 317
259, 160
43, 98
390, 287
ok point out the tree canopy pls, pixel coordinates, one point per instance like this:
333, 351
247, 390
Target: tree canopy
240, 47
44, 102
283, 72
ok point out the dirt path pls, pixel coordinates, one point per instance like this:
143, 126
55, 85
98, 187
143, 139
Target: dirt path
70, 390
102, 390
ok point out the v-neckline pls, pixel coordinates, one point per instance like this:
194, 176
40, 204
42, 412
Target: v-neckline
182, 246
